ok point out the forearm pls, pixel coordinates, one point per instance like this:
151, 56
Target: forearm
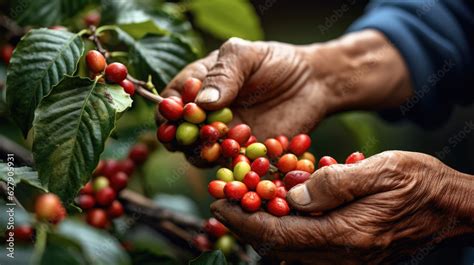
360, 70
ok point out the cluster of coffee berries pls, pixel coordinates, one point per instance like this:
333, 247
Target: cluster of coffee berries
6, 52
115, 73
216, 236
257, 174
98, 198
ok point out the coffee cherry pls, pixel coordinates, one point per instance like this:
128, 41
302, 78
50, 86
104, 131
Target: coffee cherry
355, 157
100, 183
256, 150
266, 189
235, 190
299, 144
223, 115
87, 189
111, 167
139, 153
239, 158
116, 72
305, 165
261, 166
283, 141
251, 180
115, 209
6, 52
105, 196
208, 134
281, 192
191, 88
251, 202
274, 147
241, 133
215, 228
309, 156
221, 127
230, 148
23, 233
177, 100
295, 177
187, 133
225, 174
92, 18
216, 189
170, 109
85, 201
166, 132
58, 27
326, 161
278, 183
95, 61
119, 181
252, 139
127, 166
240, 170
225, 244
211, 153
193, 113
99, 169
201, 242
128, 87
48, 207
278, 207
287, 163
97, 218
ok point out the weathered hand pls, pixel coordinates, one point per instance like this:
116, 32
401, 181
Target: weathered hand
377, 210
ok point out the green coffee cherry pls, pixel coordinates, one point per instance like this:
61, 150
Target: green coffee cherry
225, 244
240, 170
187, 133
256, 150
225, 174
223, 115
100, 183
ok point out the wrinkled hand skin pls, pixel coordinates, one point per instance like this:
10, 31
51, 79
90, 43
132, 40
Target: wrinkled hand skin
376, 211
265, 83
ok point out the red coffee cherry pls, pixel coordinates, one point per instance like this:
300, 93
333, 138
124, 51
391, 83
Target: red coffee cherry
295, 177
166, 133
177, 99
111, 167
95, 61
305, 165
266, 189
260, 166
239, 158
85, 201
278, 183
97, 218
119, 181
6, 53
283, 141
190, 89
216, 189
278, 207
252, 139
171, 109
235, 190
201, 242
299, 144
99, 169
230, 148
274, 148
23, 233
355, 157
251, 180
215, 228
221, 127
116, 72
193, 113
326, 161
127, 166
281, 192
128, 87
208, 134
241, 133
211, 153
251, 202
139, 153
87, 189
48, 207
115, 209
287, 163
92, 18
105, 196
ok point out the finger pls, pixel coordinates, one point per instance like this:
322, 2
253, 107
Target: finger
236, 61
332, 186
267, 232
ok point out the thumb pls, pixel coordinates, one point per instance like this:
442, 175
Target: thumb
236, 61
332, 186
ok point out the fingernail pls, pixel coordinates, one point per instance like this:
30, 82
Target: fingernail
300, 195
208, 95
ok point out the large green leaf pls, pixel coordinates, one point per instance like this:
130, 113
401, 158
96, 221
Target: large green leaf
70, 128
47, 12
210, 258
39, 62
162, 56
20, 174
225, 19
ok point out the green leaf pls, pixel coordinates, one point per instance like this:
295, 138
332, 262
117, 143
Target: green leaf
210, 258
162, 56
98, 247
225, 19
20, 174
140, 29
117, 97
70, 128
39, 62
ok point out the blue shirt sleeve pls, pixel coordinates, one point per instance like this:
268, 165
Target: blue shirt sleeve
436, 40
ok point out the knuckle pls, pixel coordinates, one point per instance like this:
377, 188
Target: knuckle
233, 44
